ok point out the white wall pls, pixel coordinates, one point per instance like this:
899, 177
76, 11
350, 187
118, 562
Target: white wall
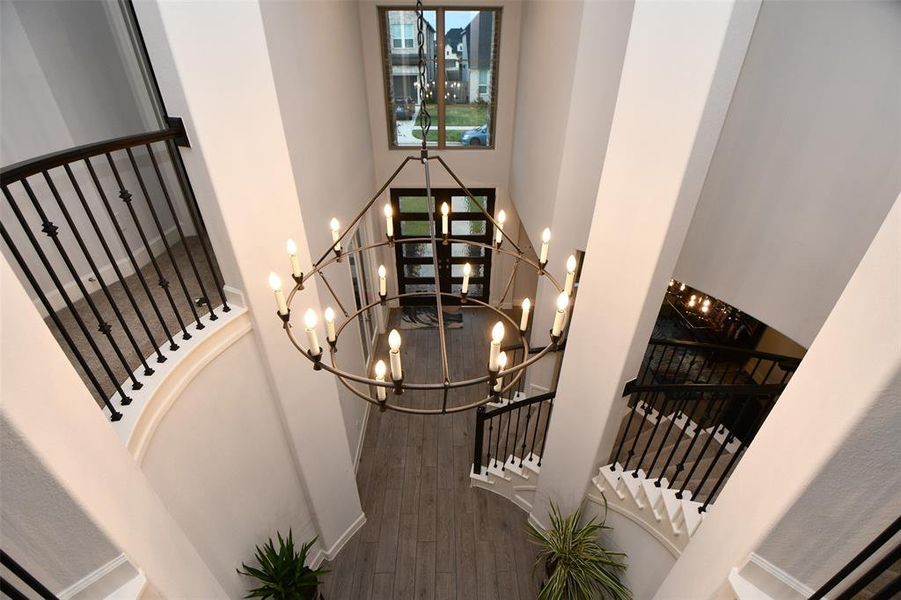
45, 401
818, 415
570, 71
680, 67
315, 52
807, 165
852, 499
221, 80
42, 528
221, 462
647, 560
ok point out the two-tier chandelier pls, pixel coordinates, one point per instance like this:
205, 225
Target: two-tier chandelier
386, 384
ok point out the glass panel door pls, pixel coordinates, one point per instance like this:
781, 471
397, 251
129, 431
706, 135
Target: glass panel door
415, 267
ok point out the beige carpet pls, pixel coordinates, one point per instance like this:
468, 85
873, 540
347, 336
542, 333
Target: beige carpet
161, 327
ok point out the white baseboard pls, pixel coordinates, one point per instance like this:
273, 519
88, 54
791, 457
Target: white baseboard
92, 577
759, 579
332, 552
362, 437
234, 296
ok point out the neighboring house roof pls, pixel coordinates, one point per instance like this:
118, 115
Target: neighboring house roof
453, 38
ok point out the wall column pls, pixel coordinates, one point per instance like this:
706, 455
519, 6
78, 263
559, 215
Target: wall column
214, 67
46, 402
854, 363
681, 65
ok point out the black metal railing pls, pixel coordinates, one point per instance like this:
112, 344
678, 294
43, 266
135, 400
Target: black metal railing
881, 580
22, 584
515, 431
102, 274
715, 399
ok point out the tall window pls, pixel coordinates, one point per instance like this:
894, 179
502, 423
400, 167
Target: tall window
461, 76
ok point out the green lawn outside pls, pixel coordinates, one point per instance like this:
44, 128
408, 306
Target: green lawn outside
473, 115
452, 135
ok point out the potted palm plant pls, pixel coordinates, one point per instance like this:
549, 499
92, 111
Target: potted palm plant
282, 573
578, 566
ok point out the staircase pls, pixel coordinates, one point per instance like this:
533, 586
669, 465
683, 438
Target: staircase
516, 430
690, 415
692, 412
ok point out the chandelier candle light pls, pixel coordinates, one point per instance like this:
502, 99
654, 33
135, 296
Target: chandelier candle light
524, 320
504, 372
309, 320
295, 262
380, 391
499, 229
560, 317
445, 211
383, 282
389, 221
330, 335
502, 364
336, 234
545, 244
467, 271
570, 275
275, 282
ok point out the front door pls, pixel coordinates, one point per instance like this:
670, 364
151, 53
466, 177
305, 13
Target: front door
415, 268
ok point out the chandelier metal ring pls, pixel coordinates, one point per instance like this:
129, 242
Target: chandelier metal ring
516, 370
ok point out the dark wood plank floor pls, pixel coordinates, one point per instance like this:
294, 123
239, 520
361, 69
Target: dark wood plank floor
428, 534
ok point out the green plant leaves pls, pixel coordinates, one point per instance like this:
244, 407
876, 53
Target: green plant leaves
579, 567
282, 572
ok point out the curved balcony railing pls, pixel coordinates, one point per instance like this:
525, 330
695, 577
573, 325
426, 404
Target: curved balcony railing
109, 239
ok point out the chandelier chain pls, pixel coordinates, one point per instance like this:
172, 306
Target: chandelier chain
425, 119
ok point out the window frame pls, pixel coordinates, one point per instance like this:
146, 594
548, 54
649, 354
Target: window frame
438, 121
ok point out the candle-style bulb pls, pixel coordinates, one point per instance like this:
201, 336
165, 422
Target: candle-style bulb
571, 264
502, 360
526, 305
467, 269
501, 217
546, 235
329, 315
310, 319
334, 225
394, 340
380, 370
292, 247
445, 209
383, 272
497, 332
562, 302
275, 282
388, 214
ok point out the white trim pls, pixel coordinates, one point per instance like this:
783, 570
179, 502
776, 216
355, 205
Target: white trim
234, 296
537, 390
332, 552
130, 590
362, 437
615, 507
92, 577
777, 574
151, 403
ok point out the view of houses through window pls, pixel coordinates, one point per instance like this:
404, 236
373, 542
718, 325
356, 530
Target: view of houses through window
460, 78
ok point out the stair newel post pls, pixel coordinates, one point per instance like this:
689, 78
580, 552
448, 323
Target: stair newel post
479, 434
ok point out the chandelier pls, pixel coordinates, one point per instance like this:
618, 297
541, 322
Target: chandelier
387, 383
